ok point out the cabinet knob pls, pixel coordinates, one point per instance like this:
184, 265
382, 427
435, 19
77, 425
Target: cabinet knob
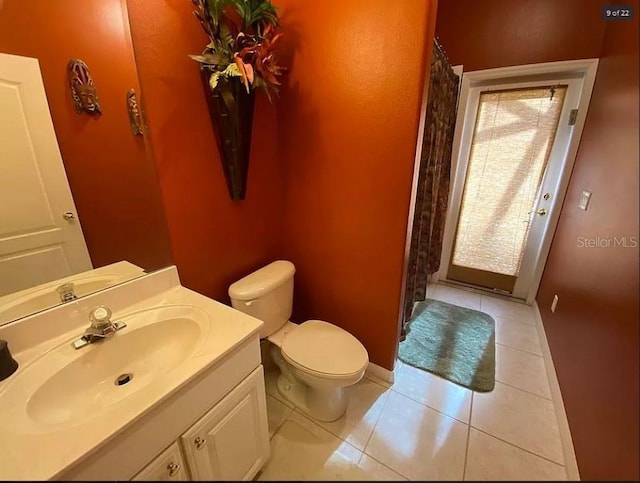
200, 442
172, 469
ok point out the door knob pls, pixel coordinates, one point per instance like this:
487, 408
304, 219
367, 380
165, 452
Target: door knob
68, 216
540, 212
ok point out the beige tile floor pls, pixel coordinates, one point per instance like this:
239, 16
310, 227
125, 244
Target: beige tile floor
424, 427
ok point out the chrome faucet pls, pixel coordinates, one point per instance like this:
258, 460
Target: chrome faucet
101, 327
67, 293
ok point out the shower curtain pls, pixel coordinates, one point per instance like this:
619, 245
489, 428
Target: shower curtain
433, 180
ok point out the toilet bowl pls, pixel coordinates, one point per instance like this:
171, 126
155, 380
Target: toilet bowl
317, 360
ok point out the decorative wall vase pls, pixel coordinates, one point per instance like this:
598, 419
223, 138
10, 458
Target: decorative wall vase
83, 89
231, 111
135, 120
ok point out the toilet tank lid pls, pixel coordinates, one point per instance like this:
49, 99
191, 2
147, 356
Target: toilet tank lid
257, 283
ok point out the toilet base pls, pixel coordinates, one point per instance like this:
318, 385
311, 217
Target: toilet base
323, 404
320, 404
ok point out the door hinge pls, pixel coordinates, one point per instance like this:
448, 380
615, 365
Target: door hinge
573, 116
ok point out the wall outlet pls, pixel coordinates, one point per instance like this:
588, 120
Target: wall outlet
584, 200
554, 304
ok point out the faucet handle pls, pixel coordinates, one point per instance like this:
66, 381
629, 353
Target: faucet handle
66, 291
100, 316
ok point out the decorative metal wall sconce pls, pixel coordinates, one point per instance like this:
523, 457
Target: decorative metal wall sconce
135, 119
83, 89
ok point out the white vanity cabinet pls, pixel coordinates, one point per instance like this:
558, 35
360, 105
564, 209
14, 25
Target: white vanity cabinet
169, 466
231, 442
213, 429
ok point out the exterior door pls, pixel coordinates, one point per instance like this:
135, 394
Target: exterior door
40, 234
515, 155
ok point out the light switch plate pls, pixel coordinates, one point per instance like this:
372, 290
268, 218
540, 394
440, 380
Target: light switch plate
584, 200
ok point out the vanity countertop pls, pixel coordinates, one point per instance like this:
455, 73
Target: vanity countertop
31, 449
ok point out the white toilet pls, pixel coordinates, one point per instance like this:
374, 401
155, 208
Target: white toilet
317, 360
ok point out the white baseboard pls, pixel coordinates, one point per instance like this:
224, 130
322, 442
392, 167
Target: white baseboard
375, 372
571, 464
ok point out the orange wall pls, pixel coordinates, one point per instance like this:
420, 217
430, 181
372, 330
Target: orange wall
348, 120
593, 335
498, 33
112, 180
215, 241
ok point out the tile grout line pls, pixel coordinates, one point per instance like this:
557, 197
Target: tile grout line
384, 405
284, 420
466, 451
518, 349
430, 407
339, 436
506, 298
308, 418
510, 320
379, 382
364, 452
386, 466
524, 390
546, 458
361, 451
479, 291
482, 291
521, 306
290, 410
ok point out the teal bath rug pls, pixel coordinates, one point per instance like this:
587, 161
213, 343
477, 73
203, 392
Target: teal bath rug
453, 342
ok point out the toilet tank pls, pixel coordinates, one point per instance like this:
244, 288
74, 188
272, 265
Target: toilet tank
266, 294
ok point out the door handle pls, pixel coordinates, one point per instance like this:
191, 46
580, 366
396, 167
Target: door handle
68, 216
540, 212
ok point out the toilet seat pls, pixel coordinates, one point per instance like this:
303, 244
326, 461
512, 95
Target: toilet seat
324, 350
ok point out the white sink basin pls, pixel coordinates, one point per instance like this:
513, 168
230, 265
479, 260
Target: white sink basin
66, 387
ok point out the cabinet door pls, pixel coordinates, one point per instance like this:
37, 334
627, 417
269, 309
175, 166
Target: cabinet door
169, 466
231, 442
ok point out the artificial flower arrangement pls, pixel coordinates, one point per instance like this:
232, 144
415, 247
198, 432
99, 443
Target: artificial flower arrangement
239, 58
243, 35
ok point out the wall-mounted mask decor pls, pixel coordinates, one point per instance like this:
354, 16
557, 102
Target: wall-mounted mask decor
134, 113
239, 58
83, 89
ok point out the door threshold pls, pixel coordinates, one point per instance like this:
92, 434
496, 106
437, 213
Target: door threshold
482, 290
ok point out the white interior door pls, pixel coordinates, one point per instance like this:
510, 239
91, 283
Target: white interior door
40, 234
